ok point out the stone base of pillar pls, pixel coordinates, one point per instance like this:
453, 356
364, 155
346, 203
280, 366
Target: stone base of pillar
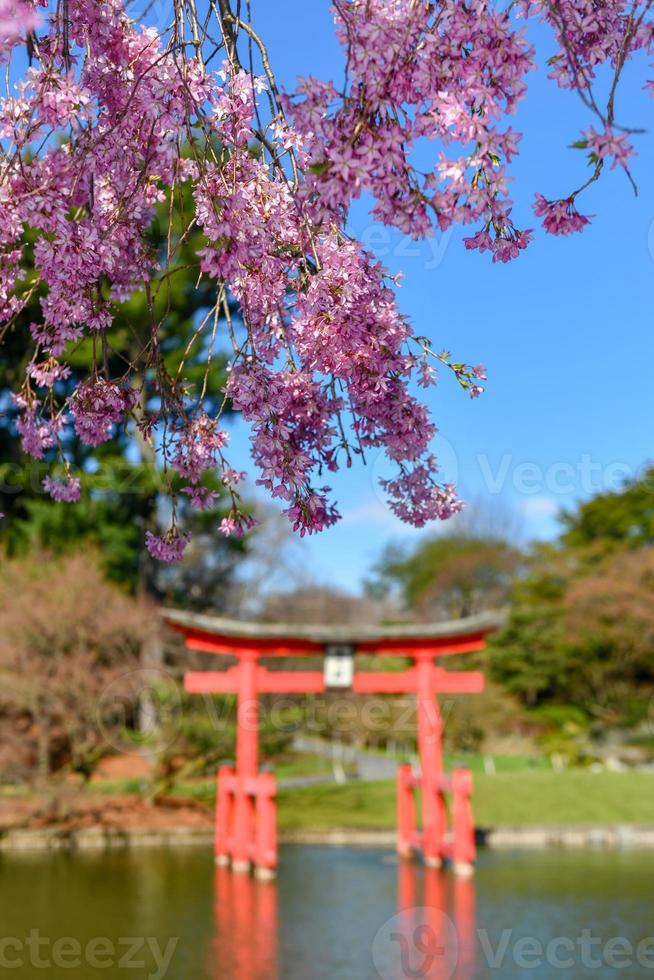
264, 874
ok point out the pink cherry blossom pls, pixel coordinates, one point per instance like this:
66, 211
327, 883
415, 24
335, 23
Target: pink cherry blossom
16, 17
37, 432
610, 145
236, 525
96, 406
67, 490
200, 497
560, 217
198, 447
46, 374
169, 547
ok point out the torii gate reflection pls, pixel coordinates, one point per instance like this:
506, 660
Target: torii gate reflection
245, 943
245, 814
437, 927
431, 937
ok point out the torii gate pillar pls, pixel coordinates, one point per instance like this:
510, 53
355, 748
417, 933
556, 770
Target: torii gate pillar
430, 750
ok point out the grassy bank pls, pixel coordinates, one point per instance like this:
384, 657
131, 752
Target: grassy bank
525, 798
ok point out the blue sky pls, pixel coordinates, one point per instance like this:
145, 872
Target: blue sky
565, 331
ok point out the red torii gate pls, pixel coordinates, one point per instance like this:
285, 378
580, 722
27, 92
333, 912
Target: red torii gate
245, 808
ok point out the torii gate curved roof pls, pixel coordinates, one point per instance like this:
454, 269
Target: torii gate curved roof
219, 635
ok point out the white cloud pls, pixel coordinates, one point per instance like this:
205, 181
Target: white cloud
540, 507
374, 512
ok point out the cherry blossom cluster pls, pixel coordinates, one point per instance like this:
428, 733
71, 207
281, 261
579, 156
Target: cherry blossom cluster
38, 433
559, 217
592, 34
66, 491
16, 17
96, 406
450, 71
111, 118
591, 37
418, 70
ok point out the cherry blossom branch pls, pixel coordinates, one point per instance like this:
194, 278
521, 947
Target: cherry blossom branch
114, 118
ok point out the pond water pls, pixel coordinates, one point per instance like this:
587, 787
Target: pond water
333, 914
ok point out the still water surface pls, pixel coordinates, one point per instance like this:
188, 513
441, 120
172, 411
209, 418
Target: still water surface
333, 914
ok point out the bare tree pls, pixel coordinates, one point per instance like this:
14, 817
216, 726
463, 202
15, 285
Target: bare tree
65, 635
